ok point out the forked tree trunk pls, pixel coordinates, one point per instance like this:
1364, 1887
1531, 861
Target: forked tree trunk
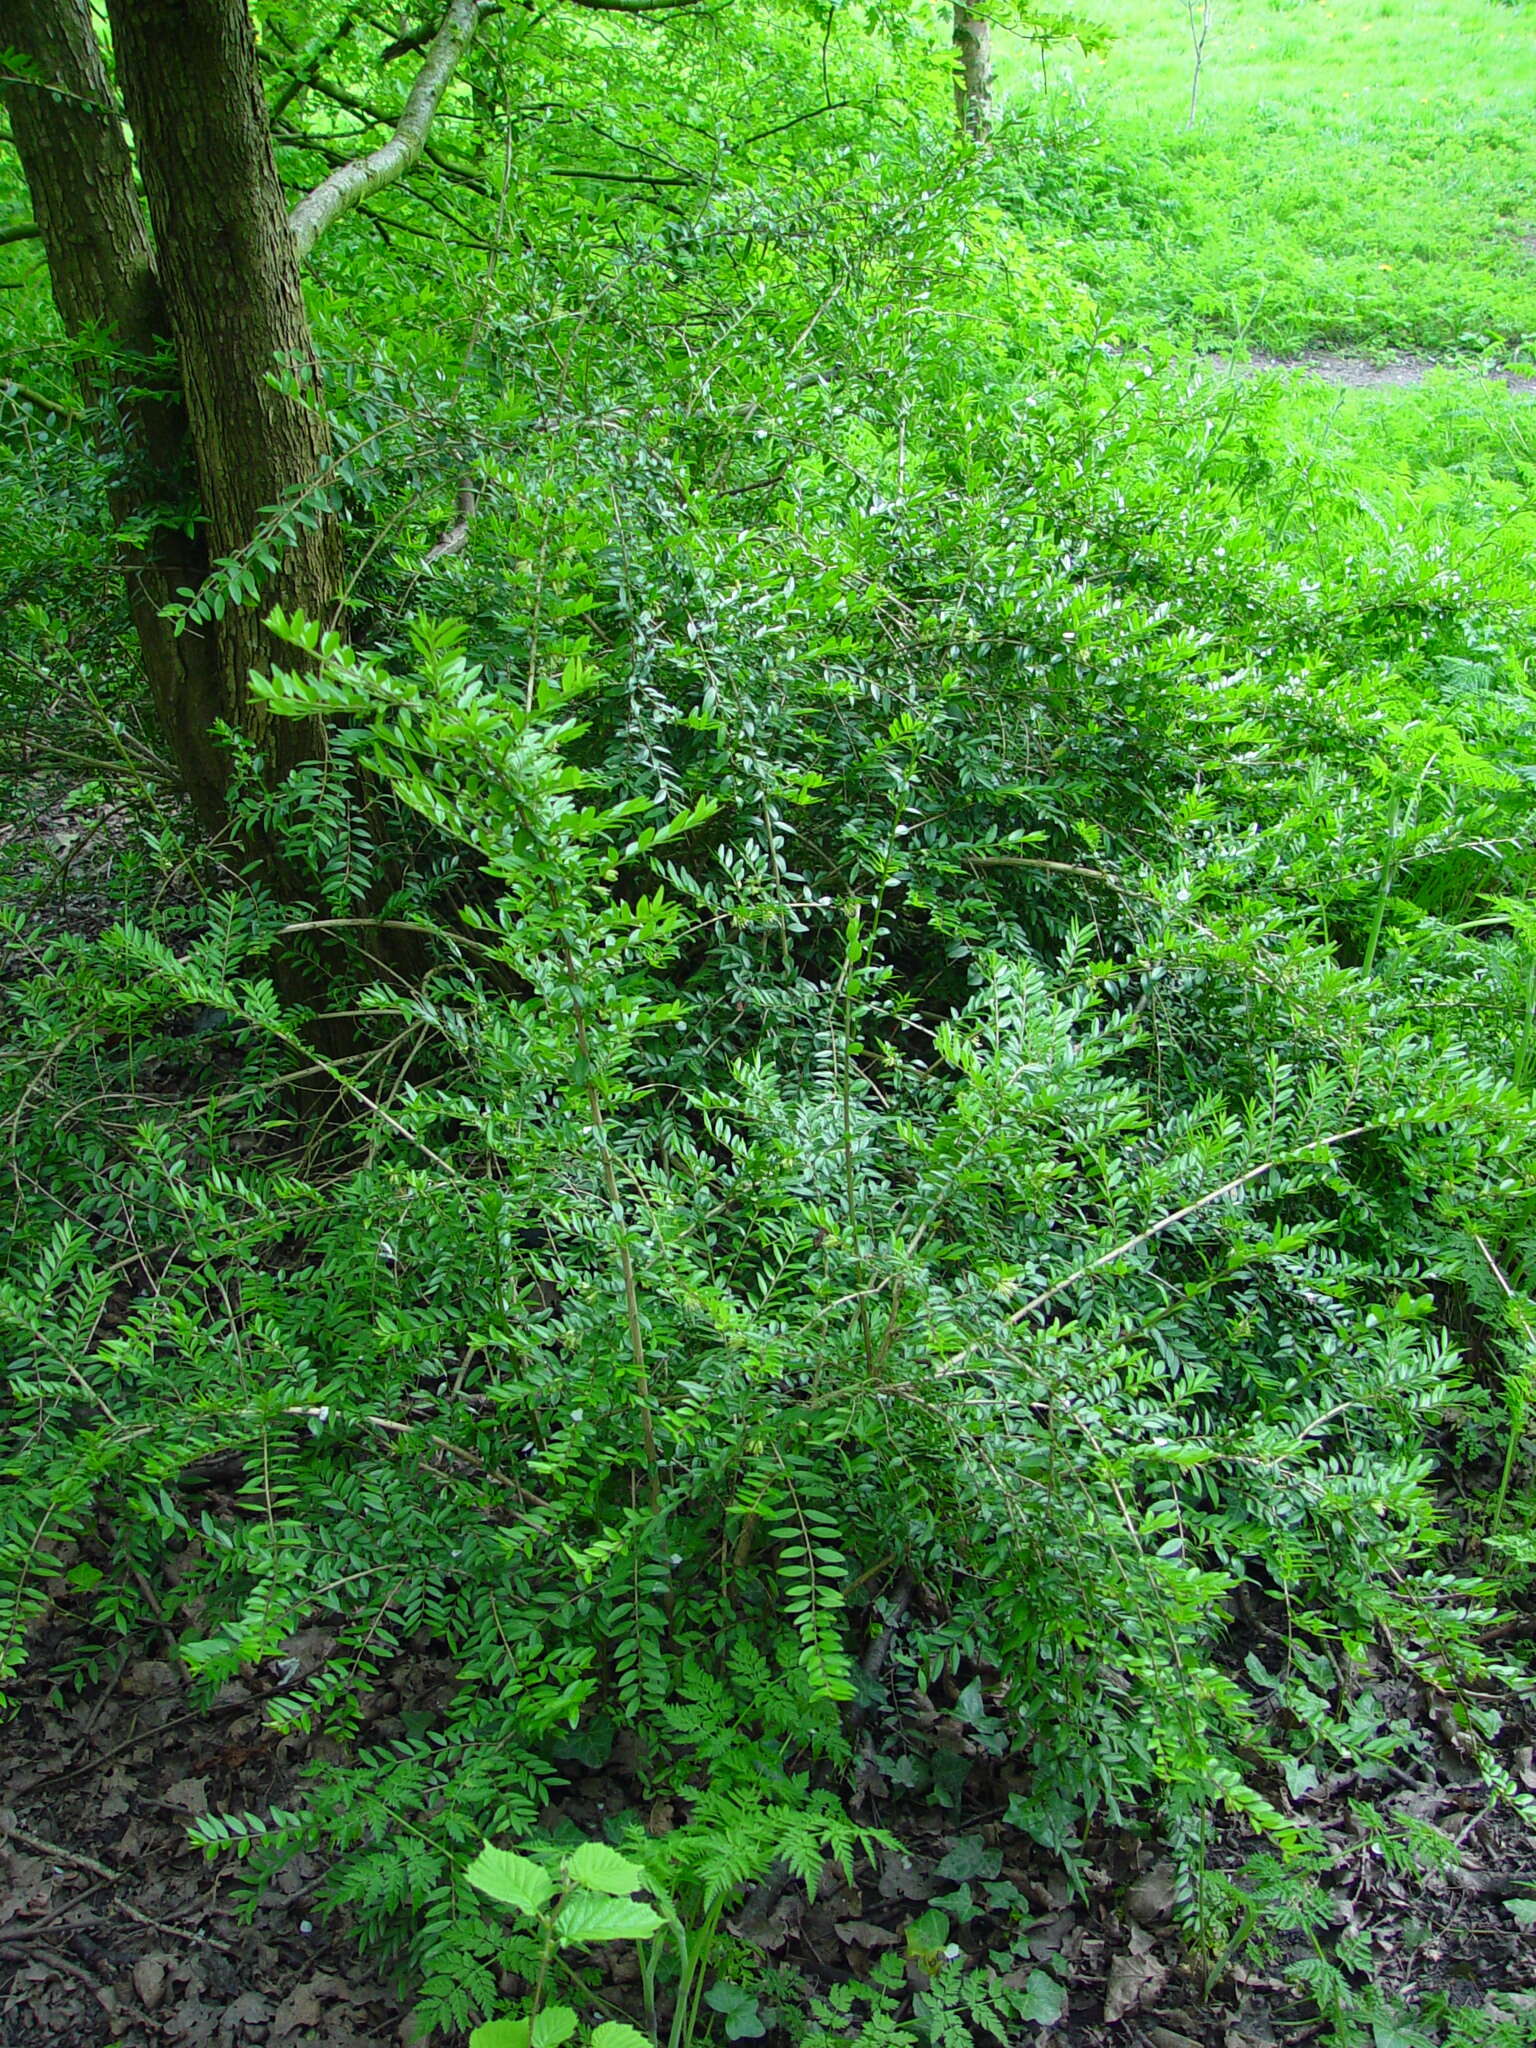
75, 157
214, 305
208, 318
230, 274
973, 72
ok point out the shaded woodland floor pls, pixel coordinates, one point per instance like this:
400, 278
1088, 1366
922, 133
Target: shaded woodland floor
114, 1930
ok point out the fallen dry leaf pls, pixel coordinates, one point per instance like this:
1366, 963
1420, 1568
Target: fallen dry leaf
150, 1679
1132, 1981
866, 1934
1150, 1898
149, 1981
301, 2008
250, 2009
187, 1795
901, 1878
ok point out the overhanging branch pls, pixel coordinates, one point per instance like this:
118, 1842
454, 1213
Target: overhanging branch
323, 89
637, 6
315, 54
365, 175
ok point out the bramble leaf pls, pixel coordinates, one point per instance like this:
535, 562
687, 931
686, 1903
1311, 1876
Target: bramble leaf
510, 1880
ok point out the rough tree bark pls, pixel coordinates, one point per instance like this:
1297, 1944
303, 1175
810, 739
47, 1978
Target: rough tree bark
208, 315
230, 274
973, 71
73, 151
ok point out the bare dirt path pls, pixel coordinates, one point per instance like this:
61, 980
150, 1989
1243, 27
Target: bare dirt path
1360, 373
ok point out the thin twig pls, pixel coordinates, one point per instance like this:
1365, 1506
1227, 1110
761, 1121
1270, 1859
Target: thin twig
56, 1853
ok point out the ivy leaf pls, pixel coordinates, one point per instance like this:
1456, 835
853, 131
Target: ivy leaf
743, 2021
970, 1857
602, 1869
511, 1880
1301, 1778
588, 1916
928, 1933
1044, 2000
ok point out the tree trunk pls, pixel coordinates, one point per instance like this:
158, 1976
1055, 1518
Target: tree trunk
77, 166
230, 275
215, 297
973, 72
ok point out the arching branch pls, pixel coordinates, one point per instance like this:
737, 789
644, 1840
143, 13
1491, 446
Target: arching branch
365, 175
323, 89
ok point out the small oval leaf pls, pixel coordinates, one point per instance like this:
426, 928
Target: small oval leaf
615, 2034
500, 2034
556, 2023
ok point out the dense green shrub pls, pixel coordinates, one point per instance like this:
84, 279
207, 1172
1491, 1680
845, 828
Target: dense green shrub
975, 1035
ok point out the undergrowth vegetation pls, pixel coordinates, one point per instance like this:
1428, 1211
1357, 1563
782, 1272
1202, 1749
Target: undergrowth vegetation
953, 1119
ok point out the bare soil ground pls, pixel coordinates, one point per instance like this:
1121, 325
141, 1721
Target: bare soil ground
114, 1929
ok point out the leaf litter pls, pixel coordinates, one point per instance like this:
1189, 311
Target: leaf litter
113, 1929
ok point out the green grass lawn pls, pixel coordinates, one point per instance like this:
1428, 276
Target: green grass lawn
1358, 176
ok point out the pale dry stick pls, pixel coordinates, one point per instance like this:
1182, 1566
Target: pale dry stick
453, 537
1197, 35
1493, 1267
369, 1102
13, 389
28, 1930
66, 1966
1142, 1237
58, 1854
379, 924
364, 176
963, 1357
1049, 867
397, 1078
